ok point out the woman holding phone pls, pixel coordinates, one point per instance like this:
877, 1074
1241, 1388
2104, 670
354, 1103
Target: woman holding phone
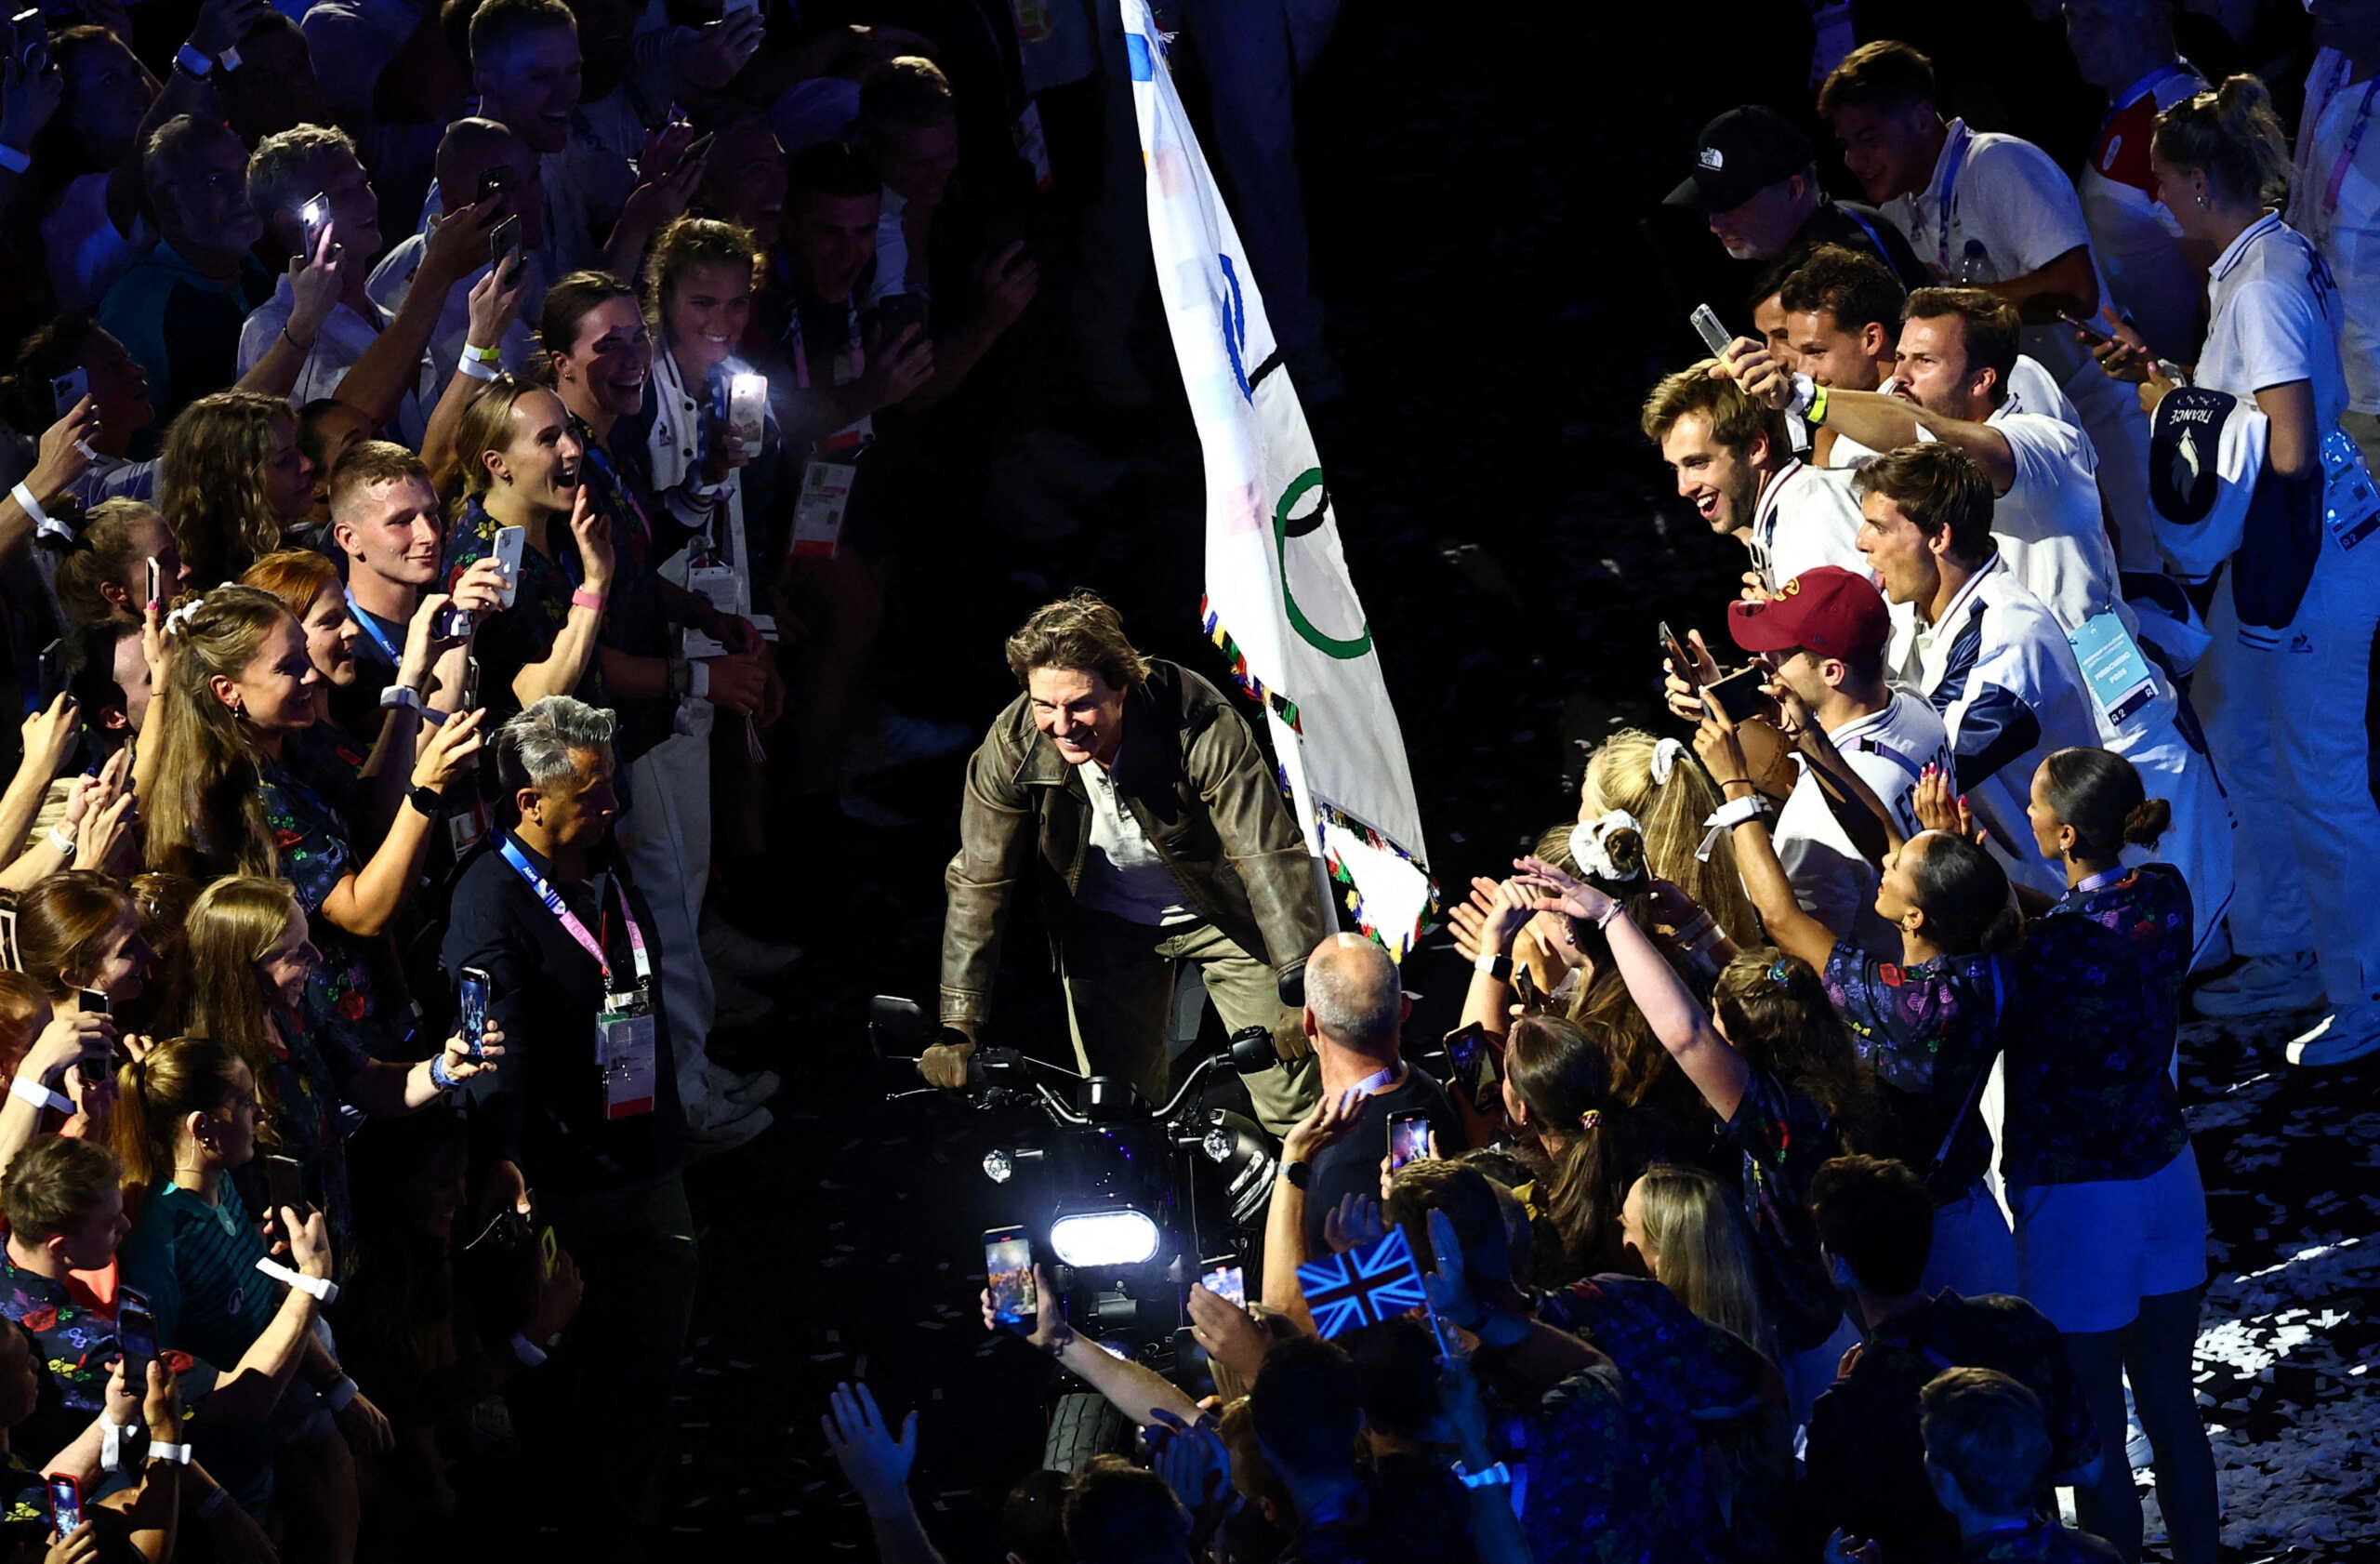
250, 958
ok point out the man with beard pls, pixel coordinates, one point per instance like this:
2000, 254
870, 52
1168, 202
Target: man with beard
1733, 461
1756, 181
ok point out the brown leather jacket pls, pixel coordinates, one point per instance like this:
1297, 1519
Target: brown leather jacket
1193, 777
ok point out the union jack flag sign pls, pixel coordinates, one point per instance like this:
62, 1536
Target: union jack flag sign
1363, 1286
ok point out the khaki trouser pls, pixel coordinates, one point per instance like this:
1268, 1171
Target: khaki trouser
1120, 993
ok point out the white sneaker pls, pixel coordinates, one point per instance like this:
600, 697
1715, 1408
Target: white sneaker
2262, 986
2347, 1034
726, 946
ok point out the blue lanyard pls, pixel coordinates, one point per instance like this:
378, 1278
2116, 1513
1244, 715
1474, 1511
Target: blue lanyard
2101, 881
569, 920
364, 620
1949, 191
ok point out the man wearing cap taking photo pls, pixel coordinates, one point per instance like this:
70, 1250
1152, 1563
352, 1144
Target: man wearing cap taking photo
1823, 638
1756, 181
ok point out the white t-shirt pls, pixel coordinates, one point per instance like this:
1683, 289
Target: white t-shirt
2032, 389
2349, 231
2050, 525
392, 279
1804, 518
1832, 880
1122, 873
2276, 317
343, 340
1888, 749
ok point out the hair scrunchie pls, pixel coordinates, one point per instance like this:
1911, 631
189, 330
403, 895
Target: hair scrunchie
1589, 845
1590, 1120
1666, 754
178, 620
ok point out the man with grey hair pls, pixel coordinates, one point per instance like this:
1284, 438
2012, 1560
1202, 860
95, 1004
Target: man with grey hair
587, 1106
1355, 1015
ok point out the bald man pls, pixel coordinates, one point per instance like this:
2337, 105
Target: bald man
1354, 1015
469, 153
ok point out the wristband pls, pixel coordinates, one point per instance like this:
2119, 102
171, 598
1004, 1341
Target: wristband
13, 159
229, 60
322, 1287
1494, 965
679, 679
112, 1438
34, 1092
438, 1076
179, 1454
586, 598
1614, 910
478, 369
1300, 1175
1727, 817
213, 1502
63, 842
188, 57
1804, 389
485, 355
1817, 415
430, 802
1497, 1476
698, 680
339, 1395
401, 697
529, 1352
45, 525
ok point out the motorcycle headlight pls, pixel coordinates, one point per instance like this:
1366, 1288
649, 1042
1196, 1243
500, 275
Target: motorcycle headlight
1115, 1236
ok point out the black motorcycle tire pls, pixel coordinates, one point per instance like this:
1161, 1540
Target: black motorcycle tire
1083, 1425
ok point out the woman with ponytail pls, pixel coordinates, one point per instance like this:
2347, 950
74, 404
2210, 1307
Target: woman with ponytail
1558, 1093
187, 1118
2110, 1217
2280, 690
1658, 782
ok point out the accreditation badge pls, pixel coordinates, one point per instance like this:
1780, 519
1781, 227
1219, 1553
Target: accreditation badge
627, 1054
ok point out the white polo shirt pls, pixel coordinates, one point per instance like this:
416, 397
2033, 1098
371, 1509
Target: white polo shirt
2032, 389
1806, 517
1832, 880
2276, 315
1999, 670
344, 339
1888, 749
2345, 227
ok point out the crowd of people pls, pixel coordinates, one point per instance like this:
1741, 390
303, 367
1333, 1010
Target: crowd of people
460, 459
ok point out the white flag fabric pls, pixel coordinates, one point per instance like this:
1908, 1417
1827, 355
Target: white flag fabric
1278, 600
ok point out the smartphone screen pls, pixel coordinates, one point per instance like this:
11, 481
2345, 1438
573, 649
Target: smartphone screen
1224, 1279
69, 388
316, 214
65, 1502
470, 1007
284, 1184
91, 1001
1008, 1261
136, 1335
1408, 1139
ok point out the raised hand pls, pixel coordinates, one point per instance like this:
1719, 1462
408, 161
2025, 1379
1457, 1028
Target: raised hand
875, 1461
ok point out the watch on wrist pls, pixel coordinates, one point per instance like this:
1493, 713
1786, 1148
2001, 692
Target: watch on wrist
429, 801
1300, 1175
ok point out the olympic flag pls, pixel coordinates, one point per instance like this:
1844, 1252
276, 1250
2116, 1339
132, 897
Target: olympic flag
1279, 599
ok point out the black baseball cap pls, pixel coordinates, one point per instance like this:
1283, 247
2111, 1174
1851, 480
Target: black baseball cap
1738, 155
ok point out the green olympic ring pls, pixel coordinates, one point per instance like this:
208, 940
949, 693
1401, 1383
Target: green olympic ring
1307, 630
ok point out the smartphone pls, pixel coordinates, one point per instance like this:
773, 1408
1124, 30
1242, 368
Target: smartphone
1739, 694
747, 409
91, 1001
52, 672
31, 41
453, 624
729, 8
284, 1184
895, 312
496, 180
1408, 1139
1222, 1277
156, 582
504, 243
316, 214
1008, 1262
136, 1335
67, 390
65, 1502
2096, 334
471, 700
470, 1007
1681, 660
511, 542
1714, 336
699, 147
1473, 1065
1525, 989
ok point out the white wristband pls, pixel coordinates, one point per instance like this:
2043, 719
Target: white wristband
339, 1395
14, 161
1494, 965
45, 525
112, 1438
529, 1352
698, 680
323, 1288
179, 1454
476, 368
1727, 817
1804, 389
39, 1095
63, 841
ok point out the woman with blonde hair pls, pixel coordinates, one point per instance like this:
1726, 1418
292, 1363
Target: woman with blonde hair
233, 481
239, 682
1661, 785
1681, 1227
250, 955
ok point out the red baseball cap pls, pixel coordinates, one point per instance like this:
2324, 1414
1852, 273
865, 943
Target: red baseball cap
1833, 612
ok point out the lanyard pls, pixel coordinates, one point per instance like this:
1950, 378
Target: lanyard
1962, 138
2347, 155
1764, 510
569, 920
802, 356
616, 489
363, 621
2146, 87
2105, 878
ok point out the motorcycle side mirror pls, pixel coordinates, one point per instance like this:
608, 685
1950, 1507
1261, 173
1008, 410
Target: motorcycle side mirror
897, 1028
1252, 1050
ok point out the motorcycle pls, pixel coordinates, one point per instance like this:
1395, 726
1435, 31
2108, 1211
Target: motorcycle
1127, 1203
